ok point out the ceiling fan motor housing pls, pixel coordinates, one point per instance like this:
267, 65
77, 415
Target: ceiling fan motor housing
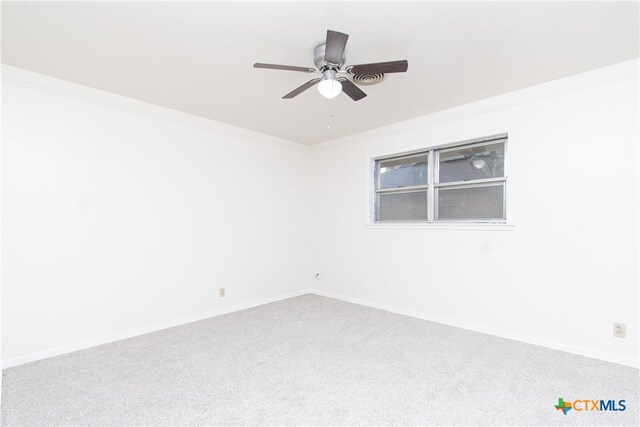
318, 59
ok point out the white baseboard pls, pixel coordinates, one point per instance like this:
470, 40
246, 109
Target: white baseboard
56, 351
69, 348
607, 357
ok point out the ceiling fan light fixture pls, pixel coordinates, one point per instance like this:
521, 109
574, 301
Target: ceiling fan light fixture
329, 59
329, 87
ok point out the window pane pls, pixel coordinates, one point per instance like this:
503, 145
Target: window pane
471, 203
403, 172
402, 206
464, 164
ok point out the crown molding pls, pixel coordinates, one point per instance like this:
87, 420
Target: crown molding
598, 77
31, 80
602, 76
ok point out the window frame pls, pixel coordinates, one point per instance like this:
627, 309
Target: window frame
433, 165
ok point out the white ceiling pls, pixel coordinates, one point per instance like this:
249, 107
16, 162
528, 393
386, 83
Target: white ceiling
197, 57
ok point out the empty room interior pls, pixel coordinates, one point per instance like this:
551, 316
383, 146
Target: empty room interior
320, 213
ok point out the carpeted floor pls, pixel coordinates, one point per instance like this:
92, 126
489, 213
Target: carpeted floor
312, 360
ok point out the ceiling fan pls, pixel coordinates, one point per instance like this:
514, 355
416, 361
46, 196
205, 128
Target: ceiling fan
329, 59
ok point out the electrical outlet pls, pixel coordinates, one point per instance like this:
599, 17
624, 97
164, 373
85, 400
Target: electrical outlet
620, 330
221, 292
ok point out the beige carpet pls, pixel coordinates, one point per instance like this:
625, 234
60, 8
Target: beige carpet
312, 360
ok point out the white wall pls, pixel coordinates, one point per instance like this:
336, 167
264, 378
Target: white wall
567, 269
119, 214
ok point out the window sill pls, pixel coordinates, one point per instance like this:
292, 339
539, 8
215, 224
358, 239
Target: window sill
442, 226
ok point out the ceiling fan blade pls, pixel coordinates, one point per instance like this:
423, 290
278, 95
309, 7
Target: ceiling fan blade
284, 67
334, 48
352, 90
380, 67
301, 89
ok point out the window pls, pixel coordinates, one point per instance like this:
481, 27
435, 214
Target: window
458, 183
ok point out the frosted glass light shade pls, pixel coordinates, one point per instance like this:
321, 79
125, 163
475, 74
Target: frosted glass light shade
329, 88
